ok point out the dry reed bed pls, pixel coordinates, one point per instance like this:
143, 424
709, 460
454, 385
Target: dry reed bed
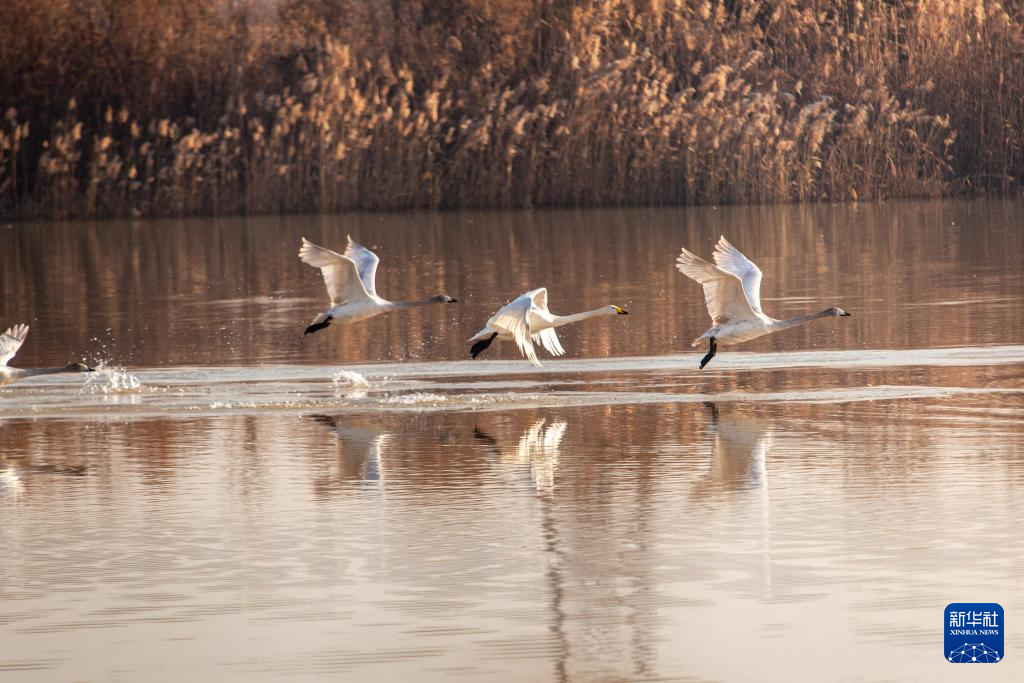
624, 103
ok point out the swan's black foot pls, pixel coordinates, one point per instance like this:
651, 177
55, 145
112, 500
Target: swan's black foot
316, 327
481, 345
712, 350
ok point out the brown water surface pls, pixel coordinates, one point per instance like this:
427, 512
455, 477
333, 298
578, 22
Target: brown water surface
227, 499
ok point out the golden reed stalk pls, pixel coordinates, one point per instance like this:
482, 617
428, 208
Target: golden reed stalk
145, 108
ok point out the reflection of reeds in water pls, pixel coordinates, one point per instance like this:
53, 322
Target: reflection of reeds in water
596, 104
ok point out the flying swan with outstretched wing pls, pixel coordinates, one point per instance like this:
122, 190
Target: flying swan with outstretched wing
351, 285
526, 320
732, 292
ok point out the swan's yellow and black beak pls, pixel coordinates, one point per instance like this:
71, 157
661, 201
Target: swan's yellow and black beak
620, 311
78, 367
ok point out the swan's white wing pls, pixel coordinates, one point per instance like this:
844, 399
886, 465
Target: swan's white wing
729, 258
549, 340
540, 298
340, 273
366, 264
514, 318
723, 291
11, 341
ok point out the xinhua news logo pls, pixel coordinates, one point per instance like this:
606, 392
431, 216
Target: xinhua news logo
974, 633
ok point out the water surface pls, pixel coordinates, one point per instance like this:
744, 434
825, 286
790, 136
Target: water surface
229, 499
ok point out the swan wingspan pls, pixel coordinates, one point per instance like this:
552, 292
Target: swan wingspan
366, 264
723, 291
732, 292
340, 273
11, 341
730, 259
514, 319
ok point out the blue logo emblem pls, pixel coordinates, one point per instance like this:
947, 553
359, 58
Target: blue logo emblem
974, 633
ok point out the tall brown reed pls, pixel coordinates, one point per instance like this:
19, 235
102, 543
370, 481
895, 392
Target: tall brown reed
136, 107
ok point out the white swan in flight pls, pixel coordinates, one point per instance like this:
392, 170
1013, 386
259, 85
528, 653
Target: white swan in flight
732, 292
10, 342
350, 280
527, 320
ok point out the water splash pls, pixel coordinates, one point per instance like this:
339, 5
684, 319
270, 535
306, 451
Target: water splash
113, 380
347, 378
417, 398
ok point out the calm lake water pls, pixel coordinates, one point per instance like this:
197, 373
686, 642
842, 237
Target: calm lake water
227, 499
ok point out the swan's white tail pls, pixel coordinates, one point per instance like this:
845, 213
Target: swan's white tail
482, 334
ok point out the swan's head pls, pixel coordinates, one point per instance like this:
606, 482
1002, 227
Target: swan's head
617, 311
838, 312
77, 367
444, 299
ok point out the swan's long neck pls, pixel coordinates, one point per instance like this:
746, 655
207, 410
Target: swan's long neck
14, 374
800, 319
395, 305
8, 375
559, 320
36, 372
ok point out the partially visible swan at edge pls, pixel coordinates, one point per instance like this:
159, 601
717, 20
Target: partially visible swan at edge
732, 292
10, 342
350, 280
527, 320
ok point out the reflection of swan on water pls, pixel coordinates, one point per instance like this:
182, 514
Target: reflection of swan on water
13, 477
351, 284
10, 342
10, 483
526, 320
362, 449
739, 452
732, 293
738, 464
537, 448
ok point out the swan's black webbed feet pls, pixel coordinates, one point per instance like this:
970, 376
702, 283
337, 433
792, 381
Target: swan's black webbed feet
481, 346
316, 327
712, 350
